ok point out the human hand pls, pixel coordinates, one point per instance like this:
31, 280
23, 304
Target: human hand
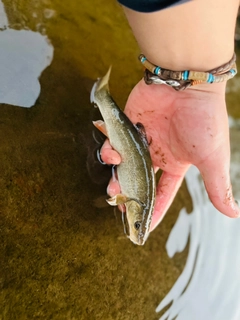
183, 128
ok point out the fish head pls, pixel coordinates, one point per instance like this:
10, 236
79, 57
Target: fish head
134, 224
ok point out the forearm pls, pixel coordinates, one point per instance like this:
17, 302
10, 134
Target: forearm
197, 35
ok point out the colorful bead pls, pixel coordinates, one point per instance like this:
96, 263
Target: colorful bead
233, 72
185, 74
198, 75
195, 82
210, 78
157, 70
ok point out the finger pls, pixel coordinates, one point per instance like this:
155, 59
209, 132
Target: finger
113, 187
109, 155
166, 191
216, 177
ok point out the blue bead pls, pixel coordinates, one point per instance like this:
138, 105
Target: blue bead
210, 78
143, 59
233, 72
185, 74
157, 70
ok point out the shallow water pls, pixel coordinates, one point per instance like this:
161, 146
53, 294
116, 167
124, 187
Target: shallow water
208, 287
60, 256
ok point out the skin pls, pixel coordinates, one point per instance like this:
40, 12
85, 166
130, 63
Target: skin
188, 127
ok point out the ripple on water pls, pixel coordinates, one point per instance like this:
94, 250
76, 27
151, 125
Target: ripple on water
209, 286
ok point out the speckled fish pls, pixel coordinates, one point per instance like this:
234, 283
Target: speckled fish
135, 172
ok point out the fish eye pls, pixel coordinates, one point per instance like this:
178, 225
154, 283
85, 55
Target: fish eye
137, 225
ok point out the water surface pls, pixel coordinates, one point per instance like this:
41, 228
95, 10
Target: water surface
60, 256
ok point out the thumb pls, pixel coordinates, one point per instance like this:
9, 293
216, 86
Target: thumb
216, 177
166, 190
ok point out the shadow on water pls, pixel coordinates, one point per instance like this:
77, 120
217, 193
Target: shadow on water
60, 256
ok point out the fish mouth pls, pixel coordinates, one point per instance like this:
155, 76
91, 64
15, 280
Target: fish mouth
142, 239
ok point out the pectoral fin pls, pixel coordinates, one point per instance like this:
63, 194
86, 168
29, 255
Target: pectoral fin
121, 199
117, 199
100, 125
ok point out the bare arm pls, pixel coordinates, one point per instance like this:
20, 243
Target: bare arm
196, 35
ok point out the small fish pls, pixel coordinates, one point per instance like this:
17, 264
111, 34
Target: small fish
135, 172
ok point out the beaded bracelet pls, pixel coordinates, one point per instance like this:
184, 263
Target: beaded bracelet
181, 80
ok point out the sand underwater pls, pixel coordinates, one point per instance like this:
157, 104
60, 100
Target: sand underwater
61, 257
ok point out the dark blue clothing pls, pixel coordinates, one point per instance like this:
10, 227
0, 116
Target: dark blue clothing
149, 5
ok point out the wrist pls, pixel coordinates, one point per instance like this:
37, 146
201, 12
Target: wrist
212, 88
201, 89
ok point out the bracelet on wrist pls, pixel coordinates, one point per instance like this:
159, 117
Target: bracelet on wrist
180, 80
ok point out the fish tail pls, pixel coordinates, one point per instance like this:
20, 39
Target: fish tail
101, 84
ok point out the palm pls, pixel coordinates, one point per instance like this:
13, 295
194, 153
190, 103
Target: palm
184, 128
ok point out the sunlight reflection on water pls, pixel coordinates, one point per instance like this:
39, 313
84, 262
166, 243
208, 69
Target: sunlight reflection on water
209, 286
24, 55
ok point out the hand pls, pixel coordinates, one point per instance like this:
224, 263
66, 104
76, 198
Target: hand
183, 128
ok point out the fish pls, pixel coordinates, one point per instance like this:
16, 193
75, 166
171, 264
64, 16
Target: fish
135, 173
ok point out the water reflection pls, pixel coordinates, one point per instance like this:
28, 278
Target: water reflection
209, 286
3, 17
24, 55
